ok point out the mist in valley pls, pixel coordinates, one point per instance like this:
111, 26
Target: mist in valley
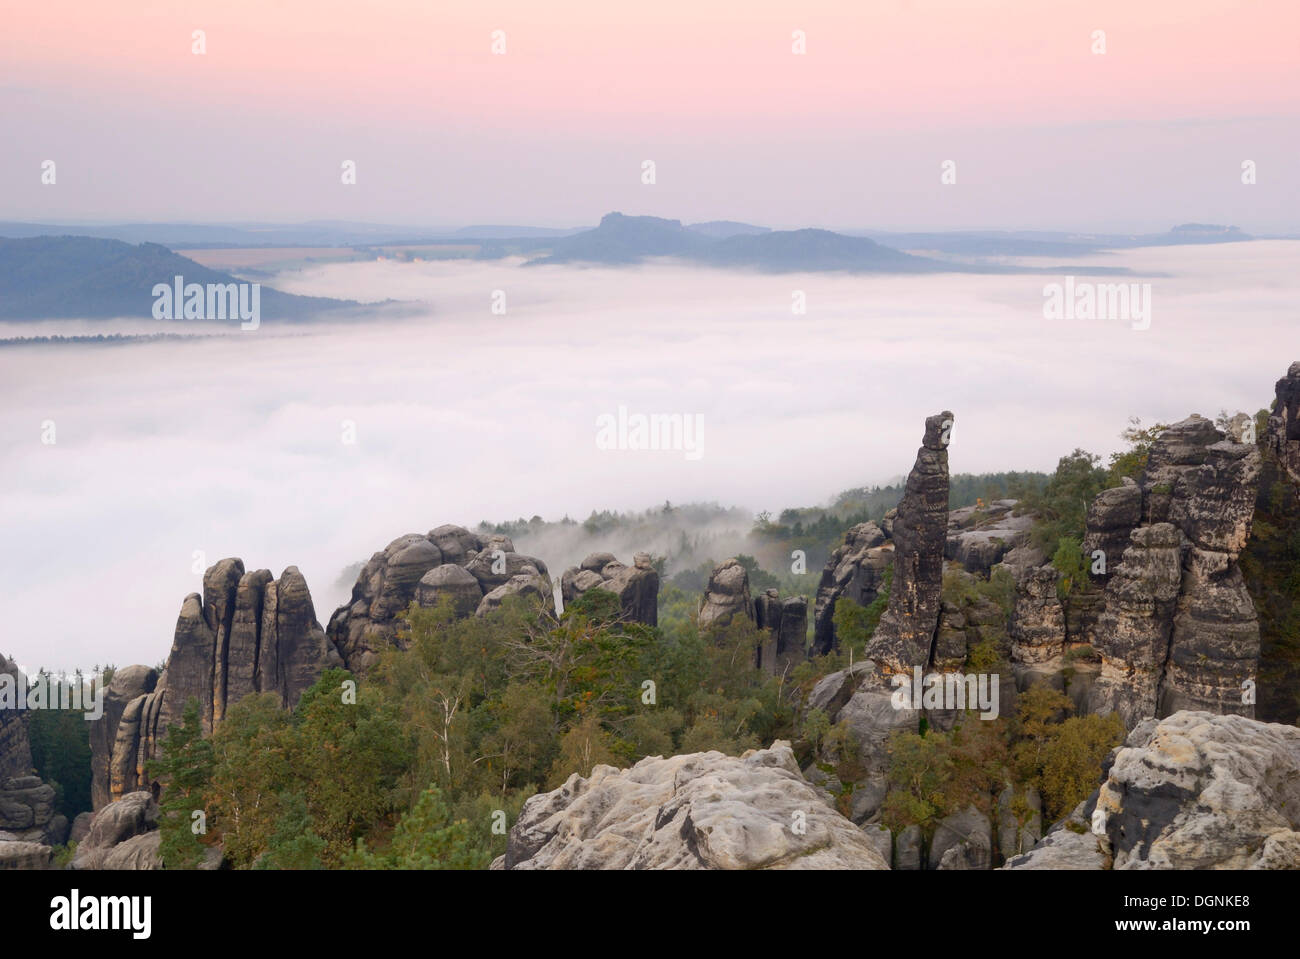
316, 444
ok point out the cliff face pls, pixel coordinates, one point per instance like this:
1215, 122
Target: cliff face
1178, 629
246, 633
855, 569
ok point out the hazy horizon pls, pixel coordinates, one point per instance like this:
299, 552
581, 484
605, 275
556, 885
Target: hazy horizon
1138, 116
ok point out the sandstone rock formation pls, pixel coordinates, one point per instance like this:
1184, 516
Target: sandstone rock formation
27, 811
905, 636
726, 596
855, 569
404, 571
979, 539
1194, 790
786, 624
15, 747
246, 633
127, 684
695, 811
122, 835
637, 586
1178, 629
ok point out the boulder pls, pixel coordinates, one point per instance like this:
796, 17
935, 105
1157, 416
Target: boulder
694, 811
122, 835
454, 582
1197, 790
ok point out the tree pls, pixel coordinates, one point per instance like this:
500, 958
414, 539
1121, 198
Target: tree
426, 838
293, 844
184, 767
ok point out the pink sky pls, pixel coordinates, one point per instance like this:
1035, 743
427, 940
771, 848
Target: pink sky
706, 77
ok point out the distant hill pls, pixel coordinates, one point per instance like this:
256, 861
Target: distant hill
721, 229
976, 243
79, 277
621, 239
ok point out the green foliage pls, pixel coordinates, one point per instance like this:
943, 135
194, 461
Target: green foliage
1061, 507
1132, 461
428, 837
185, 767
1070, 562
293, 844
61, 753
1060, 754
935, 774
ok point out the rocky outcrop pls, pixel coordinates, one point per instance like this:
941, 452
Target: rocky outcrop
122, 835
695, 811
125, 685
1202, 791
1194, 790
17, 854
963, 840
980, 537
1111, 519
247, 633
404, 571
1069, 845
15, 747
636, 586
785, 622
1037, 622
905, 636
856, 569
27, 811
1177, 628
453, 582
726, 596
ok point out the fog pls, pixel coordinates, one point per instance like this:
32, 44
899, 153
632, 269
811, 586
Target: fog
235, 446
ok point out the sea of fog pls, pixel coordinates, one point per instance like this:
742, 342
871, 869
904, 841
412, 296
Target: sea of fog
238, 445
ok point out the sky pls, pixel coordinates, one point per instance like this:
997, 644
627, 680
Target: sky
1044, 132
237, 446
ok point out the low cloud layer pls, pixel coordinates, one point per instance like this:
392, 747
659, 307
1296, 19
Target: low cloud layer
235, 446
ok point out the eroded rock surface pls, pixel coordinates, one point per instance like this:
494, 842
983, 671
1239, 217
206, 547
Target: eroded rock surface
637, 586
695, 811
